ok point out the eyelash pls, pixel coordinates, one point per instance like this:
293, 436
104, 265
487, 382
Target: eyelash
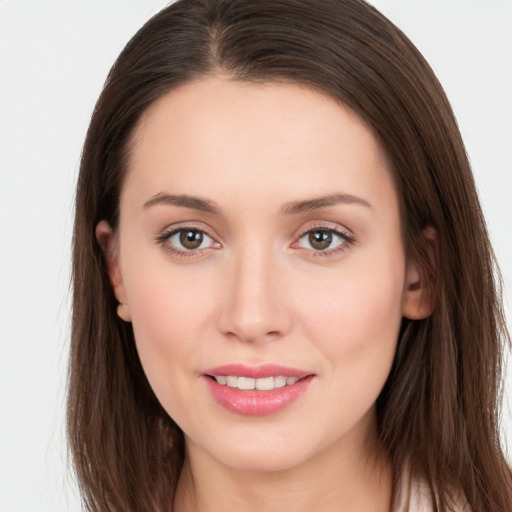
346, 240
163, 240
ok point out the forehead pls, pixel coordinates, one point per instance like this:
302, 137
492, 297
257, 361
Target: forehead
250, 138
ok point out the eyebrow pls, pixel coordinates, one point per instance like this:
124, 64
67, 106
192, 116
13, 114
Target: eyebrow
322, 202
183, 200
295, 207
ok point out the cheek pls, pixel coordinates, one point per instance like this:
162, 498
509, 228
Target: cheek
169, 313
164, 312
357, 337
355, 321
371, 311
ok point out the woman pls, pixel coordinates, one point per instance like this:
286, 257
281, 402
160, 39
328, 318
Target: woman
284, 292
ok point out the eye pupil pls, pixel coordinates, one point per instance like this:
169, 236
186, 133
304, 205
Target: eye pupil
191, 239
320, 239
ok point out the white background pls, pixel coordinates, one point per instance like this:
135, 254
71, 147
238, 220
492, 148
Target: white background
54, 57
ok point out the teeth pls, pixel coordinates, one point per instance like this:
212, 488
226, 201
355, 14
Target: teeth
264, 384
222, 380
246, 383
279, 382
231, 381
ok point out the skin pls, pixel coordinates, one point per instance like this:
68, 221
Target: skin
257, 291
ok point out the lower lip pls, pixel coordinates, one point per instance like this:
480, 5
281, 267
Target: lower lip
257, 403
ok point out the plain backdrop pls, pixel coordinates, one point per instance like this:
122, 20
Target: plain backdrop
54, 57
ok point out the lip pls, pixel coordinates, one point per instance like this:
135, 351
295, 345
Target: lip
257, 372
257, 403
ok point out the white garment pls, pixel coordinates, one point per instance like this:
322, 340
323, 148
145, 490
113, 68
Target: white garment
413, 495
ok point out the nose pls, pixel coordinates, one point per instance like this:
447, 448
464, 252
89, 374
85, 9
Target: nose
254, 306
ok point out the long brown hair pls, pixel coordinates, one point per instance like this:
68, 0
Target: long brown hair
439, 410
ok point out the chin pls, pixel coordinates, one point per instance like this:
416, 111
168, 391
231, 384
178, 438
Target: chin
261, 460
259, 451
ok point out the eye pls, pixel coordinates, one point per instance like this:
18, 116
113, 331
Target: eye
189, 239
186, 241
324, 240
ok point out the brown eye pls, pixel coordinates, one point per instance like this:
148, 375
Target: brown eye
324, 241
187, 241
191, 239
319, 239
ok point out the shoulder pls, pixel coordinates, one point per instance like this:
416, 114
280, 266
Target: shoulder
412, 494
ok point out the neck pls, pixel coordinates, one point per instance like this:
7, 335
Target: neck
343, 477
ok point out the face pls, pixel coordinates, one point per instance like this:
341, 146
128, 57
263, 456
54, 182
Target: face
260, 261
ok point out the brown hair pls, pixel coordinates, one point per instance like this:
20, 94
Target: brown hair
439, 409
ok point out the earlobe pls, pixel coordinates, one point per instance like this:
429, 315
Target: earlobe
123, 312
416, 300
106, 239
418, 296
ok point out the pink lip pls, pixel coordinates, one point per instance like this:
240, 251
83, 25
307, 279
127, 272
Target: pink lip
257, 403
257, 372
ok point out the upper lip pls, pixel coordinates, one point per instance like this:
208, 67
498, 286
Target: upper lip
257, 372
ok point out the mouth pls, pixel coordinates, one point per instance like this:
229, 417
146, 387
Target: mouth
257, 391
250, 384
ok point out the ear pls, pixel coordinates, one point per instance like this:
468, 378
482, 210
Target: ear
418, 294
108, 244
